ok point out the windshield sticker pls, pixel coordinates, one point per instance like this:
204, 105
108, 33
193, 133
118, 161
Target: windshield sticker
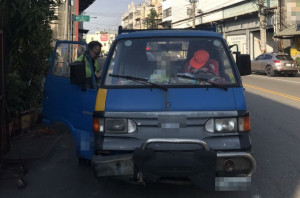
217, 43
128, 43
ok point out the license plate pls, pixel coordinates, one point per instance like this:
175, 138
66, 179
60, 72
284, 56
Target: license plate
288, 65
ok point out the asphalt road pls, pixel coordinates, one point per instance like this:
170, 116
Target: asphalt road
274, 105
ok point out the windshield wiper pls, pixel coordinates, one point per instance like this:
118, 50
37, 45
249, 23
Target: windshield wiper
140, 80
202, 79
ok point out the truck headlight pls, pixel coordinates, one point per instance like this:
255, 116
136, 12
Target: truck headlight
225, 124
220, 125
114, 125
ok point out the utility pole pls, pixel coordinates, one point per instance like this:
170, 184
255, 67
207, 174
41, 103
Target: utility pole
144, 15
262, 14
279, 24
72, 25
193, 2
76, 22
66, 19
70, 34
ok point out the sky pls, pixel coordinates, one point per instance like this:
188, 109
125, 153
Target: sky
106, 14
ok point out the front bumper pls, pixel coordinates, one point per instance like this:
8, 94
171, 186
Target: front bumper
206, 168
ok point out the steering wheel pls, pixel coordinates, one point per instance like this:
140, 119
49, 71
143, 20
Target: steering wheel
204, 73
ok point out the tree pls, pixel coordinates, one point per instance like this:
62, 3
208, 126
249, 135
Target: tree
28, 37
152, 19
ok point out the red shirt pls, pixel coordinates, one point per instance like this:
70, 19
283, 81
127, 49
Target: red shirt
212, 65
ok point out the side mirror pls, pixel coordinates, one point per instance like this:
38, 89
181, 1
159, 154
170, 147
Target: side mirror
244, 64
77, 73
231, 46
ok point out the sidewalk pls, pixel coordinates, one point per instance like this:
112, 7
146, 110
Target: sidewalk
33, 144
27, 148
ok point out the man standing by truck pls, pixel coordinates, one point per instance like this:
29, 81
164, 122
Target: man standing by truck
95, 51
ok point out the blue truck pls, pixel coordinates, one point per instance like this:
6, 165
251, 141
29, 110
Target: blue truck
169, 105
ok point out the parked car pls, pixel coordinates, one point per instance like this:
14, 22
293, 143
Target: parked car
274, 63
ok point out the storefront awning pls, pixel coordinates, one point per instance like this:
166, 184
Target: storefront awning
84, 4
83, 31
166, 24
289, 32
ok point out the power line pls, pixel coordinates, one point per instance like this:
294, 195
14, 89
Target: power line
117, 13
99, 24
106, 15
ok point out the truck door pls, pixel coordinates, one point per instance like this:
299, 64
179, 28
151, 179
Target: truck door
64, 102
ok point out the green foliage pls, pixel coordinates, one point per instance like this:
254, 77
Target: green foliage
152, 19
15, 99
28, 37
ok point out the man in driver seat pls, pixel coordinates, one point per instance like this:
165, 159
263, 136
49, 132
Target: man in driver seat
201, 62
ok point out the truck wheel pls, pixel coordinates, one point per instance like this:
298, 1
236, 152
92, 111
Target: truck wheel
269, 71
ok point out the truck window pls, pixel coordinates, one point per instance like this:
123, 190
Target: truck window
160, 60
64, 55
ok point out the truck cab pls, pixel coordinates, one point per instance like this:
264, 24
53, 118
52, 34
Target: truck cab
169, 105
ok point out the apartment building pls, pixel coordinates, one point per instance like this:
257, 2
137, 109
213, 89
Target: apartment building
136, 16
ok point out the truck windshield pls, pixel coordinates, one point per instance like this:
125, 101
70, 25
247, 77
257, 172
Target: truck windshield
164, 61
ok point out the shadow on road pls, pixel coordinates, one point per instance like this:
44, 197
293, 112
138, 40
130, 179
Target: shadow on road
276, 140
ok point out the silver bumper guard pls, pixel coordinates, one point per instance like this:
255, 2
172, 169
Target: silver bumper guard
123, 165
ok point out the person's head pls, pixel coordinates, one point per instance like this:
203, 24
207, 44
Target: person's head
95, 49
199, 59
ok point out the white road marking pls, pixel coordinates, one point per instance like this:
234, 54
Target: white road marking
272, 78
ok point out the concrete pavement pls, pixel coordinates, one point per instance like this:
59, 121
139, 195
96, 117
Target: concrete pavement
50, 158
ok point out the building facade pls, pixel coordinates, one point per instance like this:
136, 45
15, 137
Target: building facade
136, 16
105, 38
241, 22
62, 28
288, 32
65, 28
